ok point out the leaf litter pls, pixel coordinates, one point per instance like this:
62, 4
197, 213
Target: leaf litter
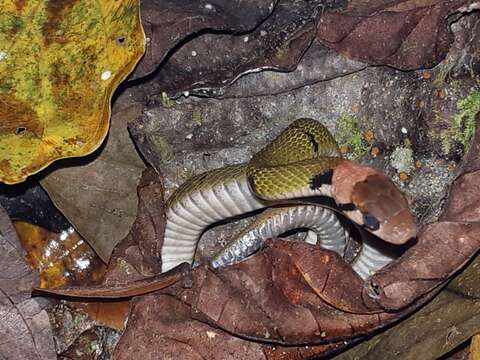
227, 315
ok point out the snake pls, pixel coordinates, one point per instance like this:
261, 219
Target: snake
324, 229
303, 162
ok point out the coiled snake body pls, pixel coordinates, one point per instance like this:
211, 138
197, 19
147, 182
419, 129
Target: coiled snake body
303, 161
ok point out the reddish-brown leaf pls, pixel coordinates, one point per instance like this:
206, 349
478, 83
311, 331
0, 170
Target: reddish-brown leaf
120, 291
403, 34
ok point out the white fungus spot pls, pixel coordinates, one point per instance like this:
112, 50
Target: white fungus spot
3, 55
106, 75
211, 334
186, 93
189, 137
209, 6
403, 130
194, 53
263, 33
245, 39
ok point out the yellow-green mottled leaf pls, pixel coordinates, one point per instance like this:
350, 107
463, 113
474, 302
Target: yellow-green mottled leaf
60, 61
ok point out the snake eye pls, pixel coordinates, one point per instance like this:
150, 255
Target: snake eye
370, 222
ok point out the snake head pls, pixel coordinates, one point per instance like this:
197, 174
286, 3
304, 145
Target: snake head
370, 199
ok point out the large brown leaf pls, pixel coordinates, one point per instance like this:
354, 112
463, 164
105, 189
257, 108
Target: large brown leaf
169, 22
100, 199
404, 34
219, 59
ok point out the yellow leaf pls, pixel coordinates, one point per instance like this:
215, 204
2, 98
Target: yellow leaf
60, 61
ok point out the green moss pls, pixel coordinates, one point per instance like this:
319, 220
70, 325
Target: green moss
163, 148
197, 117
463, 123
349, 136
166, 101
11, 23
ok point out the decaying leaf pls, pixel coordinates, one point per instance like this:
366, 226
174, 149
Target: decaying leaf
403, 34
100, 199
61, 258
169, 22
450, 319
60, 62
278, 43
24, 326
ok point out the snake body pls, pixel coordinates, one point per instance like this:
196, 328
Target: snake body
215, 195
303, 161
324, 228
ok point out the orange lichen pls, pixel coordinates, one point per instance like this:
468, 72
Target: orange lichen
369, 135
403, 176
375, 151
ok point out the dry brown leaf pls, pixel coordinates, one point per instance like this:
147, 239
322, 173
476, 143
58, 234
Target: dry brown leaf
100, 199
403, 34
118, 291
169, 22
25, 327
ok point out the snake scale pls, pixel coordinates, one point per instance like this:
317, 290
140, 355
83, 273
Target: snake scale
302, 162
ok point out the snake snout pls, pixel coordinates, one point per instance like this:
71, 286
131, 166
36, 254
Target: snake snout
384, 208
375, 202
